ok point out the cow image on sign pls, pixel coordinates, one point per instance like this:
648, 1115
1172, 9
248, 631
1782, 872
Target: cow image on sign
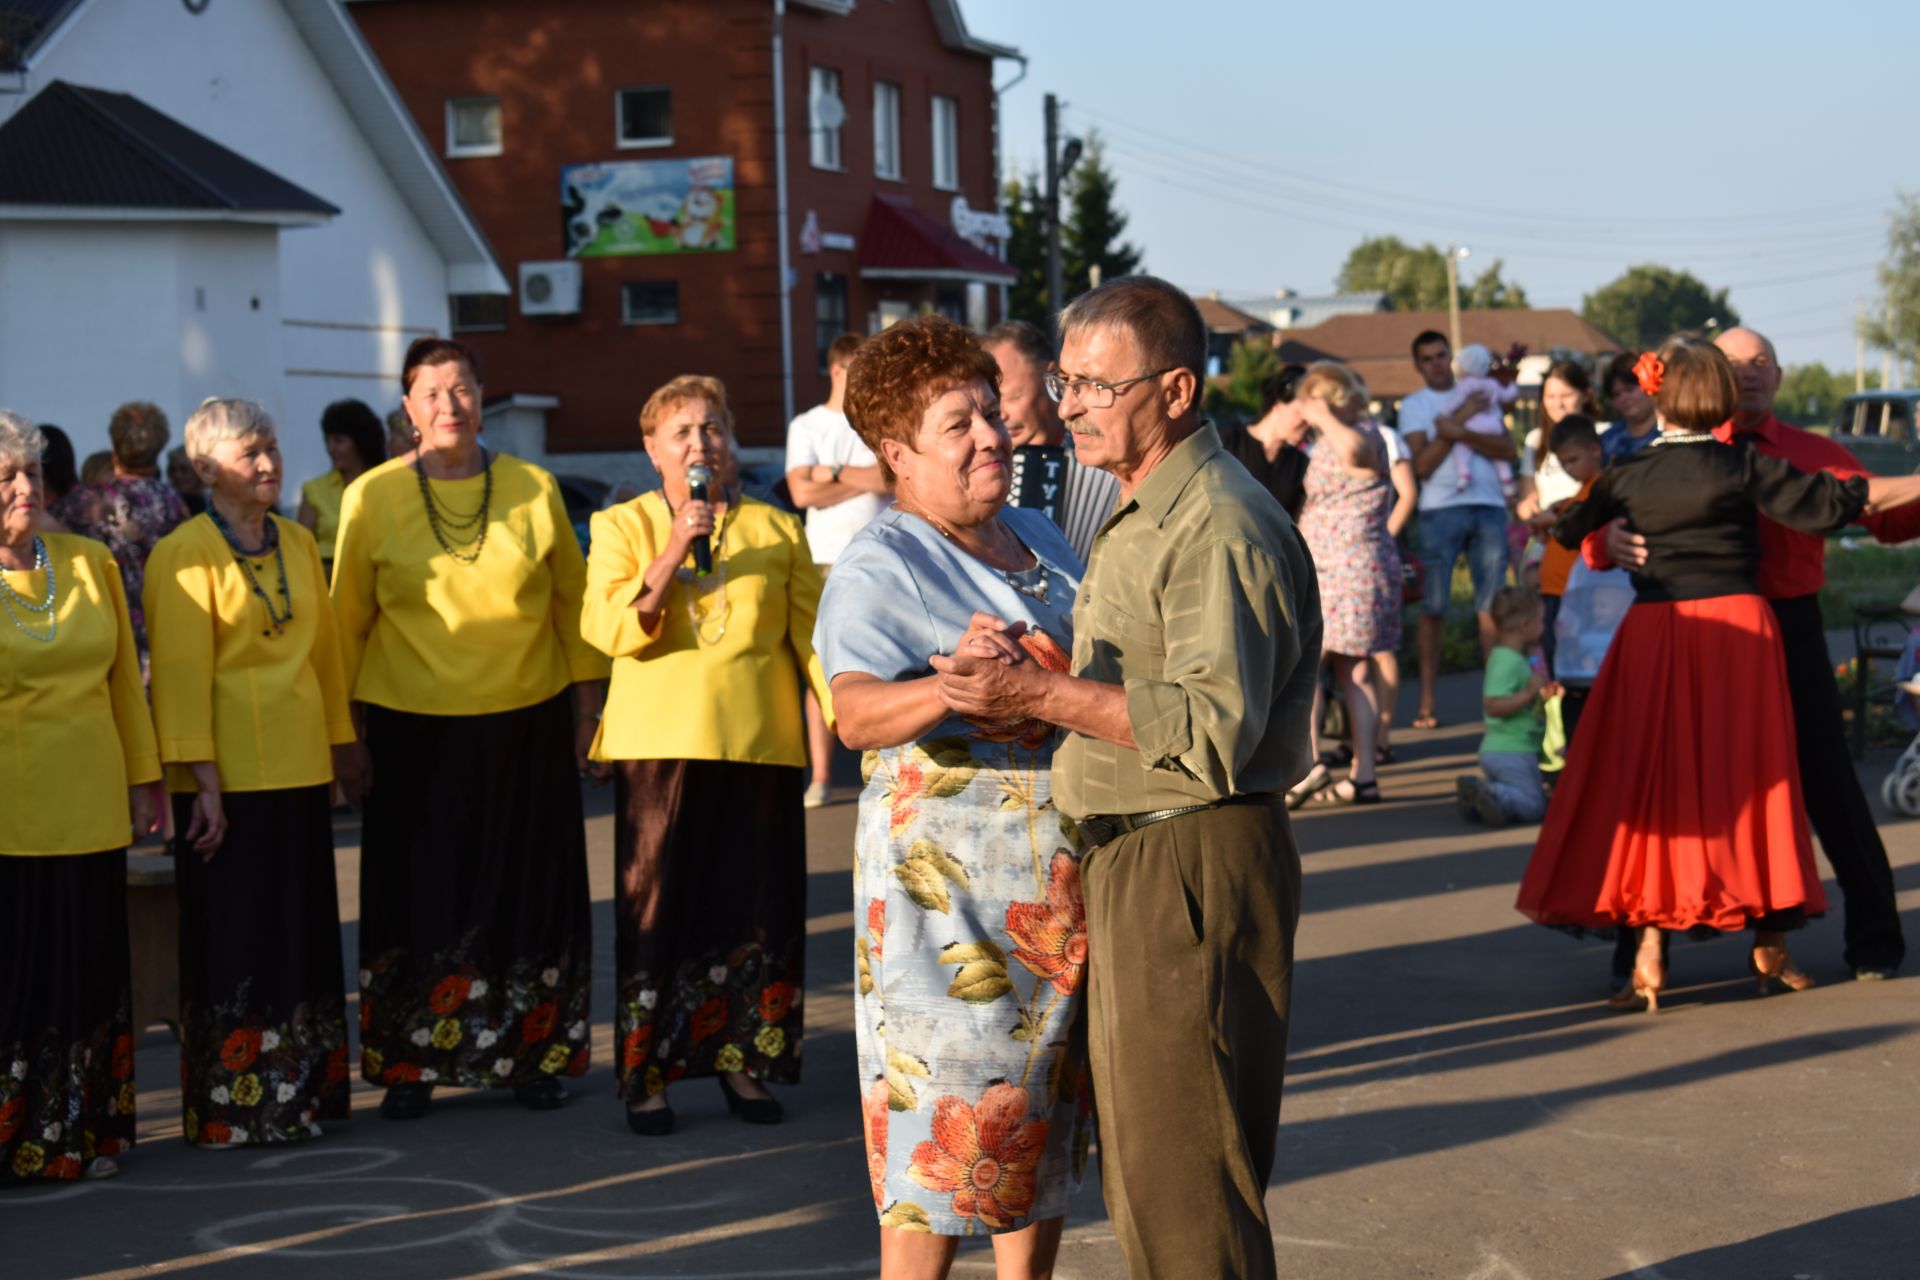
1040, 479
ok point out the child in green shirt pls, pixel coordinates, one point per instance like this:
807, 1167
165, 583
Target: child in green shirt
1512, 790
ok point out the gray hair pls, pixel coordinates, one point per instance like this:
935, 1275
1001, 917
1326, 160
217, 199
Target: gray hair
1024, 337
20, 440
217, 421
1162, 320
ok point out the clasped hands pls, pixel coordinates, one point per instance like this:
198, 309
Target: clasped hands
990, 677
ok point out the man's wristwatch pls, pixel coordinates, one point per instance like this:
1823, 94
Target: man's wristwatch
834, 474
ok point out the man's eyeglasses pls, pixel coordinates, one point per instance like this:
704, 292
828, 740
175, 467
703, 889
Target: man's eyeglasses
1092, 393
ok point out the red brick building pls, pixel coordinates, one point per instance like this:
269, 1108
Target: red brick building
631, 150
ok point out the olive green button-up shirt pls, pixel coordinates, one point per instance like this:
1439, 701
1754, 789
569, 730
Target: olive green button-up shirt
1201, 600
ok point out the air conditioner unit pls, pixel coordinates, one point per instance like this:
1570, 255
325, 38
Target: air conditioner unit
549, 288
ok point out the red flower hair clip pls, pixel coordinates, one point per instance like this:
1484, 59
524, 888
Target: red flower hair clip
1650, 372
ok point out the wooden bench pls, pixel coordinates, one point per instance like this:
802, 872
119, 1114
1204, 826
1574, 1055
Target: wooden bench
153, 940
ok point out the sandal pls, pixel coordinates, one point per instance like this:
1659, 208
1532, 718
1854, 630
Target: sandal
1357, 792
1318, 779
1426, 720
1383, 755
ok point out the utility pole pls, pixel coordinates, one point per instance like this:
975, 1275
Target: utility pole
1886, 352
1454, 254
1053, 214
1859, 345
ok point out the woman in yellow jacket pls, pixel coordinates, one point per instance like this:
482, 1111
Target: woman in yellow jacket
77, 773
457, 584
356, 443
704, 728
251, 708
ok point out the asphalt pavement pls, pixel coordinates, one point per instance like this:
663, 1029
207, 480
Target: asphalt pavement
1459, 1104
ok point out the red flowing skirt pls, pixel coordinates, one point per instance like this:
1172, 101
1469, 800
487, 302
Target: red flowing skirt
1682, 807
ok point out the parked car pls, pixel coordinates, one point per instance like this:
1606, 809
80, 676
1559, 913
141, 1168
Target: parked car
1877, 427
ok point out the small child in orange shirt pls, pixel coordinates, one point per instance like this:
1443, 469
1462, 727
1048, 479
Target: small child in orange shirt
1575, 441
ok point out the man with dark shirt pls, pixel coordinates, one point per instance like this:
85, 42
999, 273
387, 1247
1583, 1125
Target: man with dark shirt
1270, 448
1087, 494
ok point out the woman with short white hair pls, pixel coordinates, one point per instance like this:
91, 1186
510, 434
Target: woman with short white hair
251, 706
77, 775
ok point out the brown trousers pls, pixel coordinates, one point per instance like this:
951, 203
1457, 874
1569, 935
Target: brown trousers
1190, 926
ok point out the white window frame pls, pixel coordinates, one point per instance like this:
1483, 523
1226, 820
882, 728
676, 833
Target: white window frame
620, 137
458, 150
886, 131
946, 142
826, 147
626, 316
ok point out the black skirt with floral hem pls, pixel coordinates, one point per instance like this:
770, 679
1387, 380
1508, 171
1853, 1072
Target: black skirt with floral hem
710, 921
66, 1021
263, 1013
475, 943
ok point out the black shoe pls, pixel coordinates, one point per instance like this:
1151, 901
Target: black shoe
657, 1123
544, 1094
407, 1101
752, 1110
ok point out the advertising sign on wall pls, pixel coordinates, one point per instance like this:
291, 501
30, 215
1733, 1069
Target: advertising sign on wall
648, 206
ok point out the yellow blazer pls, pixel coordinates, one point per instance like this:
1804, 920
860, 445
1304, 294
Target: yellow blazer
74, 729
734, 697
265, 708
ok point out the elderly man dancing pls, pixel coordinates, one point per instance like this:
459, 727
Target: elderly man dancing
1196, 639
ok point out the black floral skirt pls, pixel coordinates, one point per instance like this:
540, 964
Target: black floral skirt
475, 950
710, 921
263, 1014
66, 1021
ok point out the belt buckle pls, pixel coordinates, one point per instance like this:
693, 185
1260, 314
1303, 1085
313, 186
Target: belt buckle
1103, 829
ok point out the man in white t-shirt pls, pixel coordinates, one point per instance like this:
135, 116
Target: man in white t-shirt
836, 480
1459, 514
1088, 494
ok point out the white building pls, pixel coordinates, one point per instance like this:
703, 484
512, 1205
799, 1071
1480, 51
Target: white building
223, 199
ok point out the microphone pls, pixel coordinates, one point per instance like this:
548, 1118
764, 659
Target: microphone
699, 479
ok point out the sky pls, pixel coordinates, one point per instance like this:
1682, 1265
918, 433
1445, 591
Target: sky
1760, 145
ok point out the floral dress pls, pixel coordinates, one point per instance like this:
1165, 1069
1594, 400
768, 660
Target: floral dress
129, 514
971, 946
1345, 525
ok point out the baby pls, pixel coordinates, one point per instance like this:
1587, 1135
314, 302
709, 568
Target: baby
1475, 363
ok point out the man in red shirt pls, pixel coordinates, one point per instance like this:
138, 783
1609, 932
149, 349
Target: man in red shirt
1792, 571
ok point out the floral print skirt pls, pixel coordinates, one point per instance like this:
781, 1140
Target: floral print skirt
263, 1021
475, 944
66, 1033
710, 921
970, 968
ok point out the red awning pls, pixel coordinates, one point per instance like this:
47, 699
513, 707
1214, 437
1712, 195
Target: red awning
902, 243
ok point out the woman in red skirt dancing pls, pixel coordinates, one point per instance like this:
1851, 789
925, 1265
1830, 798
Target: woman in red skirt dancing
1693, 818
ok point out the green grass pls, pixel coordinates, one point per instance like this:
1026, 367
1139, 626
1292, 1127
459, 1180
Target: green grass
1865, 574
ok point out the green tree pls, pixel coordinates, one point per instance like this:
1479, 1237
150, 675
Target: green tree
1249, 364
1027, 251
1648, 302
1415, 279
1810, 394
1896, 327
1092, 224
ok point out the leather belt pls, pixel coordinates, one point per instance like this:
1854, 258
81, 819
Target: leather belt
1105, 828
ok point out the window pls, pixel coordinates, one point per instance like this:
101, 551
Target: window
946, 143
473, 126
643, 117
826, 115
479, 311
886, 130
650, 302
950, 300
829, 313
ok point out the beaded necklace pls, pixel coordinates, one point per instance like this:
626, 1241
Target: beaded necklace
447, 524
244, 556
12, 598
1036, 589
1685, 437
708, 607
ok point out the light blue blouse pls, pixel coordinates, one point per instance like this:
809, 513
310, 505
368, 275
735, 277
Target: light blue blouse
901, 592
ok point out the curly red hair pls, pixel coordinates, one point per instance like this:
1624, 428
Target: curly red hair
898, 372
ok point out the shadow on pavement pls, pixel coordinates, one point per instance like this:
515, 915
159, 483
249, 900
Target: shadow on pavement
1880, 1240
